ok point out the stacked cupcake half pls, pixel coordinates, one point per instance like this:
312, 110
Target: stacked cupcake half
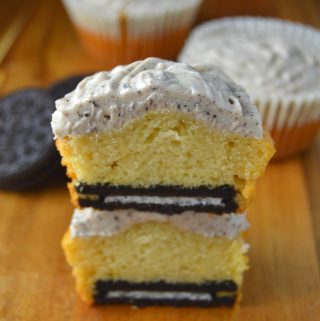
163, 159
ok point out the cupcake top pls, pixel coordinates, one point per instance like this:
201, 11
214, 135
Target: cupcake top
271, 58
108, 100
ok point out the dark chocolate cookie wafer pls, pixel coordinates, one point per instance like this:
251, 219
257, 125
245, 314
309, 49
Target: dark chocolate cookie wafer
63, 87
28, 157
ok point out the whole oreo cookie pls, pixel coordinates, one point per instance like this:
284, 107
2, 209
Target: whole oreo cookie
28, 157
63, 87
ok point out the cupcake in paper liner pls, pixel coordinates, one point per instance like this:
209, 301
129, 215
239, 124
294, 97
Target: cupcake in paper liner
278, 63
121, 31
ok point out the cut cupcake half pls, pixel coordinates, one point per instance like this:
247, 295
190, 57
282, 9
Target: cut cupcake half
152, 142
145, 259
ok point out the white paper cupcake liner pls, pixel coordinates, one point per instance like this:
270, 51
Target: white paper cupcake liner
104, 19
292, 124
293, 119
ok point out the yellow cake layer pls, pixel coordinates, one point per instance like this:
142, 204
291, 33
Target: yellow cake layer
167, 148
153, 251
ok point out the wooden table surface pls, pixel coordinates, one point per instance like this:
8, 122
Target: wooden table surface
35, 281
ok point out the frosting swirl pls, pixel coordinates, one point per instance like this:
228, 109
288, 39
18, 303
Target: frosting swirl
108, 100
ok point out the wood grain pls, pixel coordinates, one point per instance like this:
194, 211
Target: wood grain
36, 283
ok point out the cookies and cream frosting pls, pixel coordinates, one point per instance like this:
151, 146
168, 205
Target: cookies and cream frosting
269, 57
141, 16
107, 101
88, 222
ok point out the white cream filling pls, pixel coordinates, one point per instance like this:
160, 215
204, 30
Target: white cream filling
89, 222
158, 200
159, 295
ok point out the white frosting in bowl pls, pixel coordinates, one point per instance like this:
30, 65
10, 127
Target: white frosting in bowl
271, 58
108, 100
88, 222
